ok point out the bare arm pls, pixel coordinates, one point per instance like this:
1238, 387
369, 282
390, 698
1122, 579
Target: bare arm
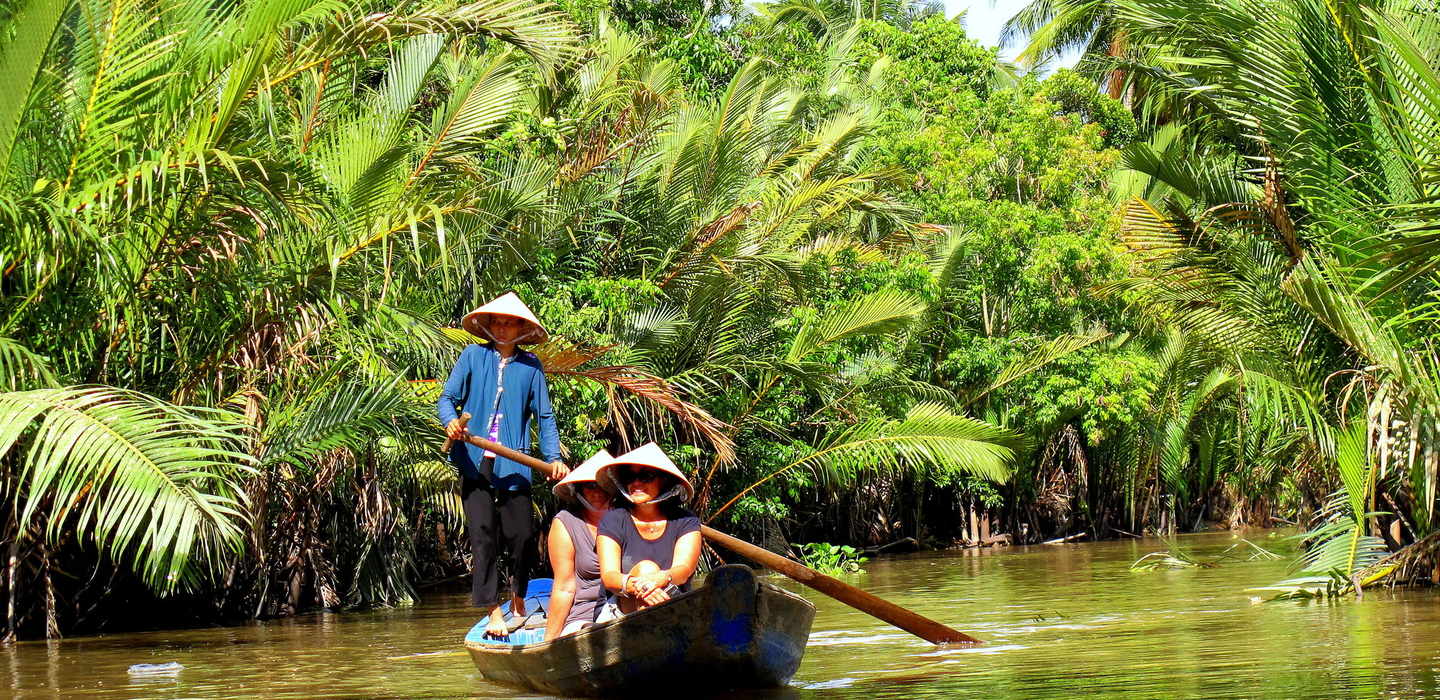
562, 593
607, 550
687, 558
684, 562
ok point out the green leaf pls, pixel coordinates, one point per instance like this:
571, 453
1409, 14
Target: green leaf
153, 484
28, 34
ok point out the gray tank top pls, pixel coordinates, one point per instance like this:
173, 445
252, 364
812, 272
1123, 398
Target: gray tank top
588, 592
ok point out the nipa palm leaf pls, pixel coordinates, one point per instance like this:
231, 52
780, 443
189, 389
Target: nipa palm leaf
152, 484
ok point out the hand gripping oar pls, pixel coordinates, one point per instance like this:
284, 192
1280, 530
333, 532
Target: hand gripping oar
498, 449
449, 441
868, 603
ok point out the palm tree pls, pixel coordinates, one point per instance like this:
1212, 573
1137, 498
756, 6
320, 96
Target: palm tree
828, 17
189, 191
235, 234
753, 187
1054, 28
1287, 223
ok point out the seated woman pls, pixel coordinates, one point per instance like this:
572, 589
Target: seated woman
576, 597
649, 547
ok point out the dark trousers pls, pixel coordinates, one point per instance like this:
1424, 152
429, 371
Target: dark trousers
498, 520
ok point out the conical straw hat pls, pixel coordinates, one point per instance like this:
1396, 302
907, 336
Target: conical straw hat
587, 471
507, 304
646, 455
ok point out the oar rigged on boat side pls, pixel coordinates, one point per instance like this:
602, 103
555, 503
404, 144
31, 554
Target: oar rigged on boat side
869, 603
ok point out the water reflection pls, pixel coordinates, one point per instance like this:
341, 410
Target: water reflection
1058, 620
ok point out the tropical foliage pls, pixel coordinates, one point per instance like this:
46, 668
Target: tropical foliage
862, 279
1282, 207
238, 236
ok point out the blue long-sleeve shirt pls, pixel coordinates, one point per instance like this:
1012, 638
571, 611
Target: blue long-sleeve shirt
471, 386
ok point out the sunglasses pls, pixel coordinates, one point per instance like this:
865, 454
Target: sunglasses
632, 475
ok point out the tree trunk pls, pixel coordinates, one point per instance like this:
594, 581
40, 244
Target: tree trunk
52, 620
12, 582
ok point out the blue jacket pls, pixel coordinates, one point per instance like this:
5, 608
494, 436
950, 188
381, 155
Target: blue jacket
472, 386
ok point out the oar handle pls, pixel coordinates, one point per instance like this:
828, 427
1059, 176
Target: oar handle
514, 455
450, 442
869, 603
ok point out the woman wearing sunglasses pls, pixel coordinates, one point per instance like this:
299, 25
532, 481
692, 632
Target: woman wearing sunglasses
577, 595
648, 548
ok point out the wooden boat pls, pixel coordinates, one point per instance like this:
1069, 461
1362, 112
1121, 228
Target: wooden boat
733, 632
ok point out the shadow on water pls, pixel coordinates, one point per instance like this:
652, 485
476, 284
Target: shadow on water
1058, 621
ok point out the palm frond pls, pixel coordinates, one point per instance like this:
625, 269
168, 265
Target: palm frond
154, 485
1037, 359
20, 368
31, 27
333, 414
879, 312
929, 437
659, 395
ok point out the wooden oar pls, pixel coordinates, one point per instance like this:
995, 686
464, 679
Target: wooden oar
864, 601
503, 451
868, 603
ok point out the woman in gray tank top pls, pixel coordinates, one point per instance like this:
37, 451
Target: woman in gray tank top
649, 547
577, 594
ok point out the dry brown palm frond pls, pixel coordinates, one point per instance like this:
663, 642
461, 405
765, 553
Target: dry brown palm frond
1057, 485
708, 235
661, 397
607, 140
904, 238
595, 147
1277, 214
555, 355
560, 356
1414, 562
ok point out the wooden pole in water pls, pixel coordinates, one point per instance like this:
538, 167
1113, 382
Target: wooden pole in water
868, 603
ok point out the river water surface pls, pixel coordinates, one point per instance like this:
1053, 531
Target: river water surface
1058, 621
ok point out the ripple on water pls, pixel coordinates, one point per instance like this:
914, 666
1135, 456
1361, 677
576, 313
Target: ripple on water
983, 649
849, 637
1058, 622
828, 685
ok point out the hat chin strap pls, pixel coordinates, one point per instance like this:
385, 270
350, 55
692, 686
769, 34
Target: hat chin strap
590, 506
674, 491
524, 337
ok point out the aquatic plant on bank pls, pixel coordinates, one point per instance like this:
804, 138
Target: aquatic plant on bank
832, 559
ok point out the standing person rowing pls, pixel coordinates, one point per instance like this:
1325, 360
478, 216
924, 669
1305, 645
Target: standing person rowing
649, 548
504, 390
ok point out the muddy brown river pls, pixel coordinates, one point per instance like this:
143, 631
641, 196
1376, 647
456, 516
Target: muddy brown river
1058, 621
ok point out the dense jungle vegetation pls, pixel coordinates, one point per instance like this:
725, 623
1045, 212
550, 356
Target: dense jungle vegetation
862, 278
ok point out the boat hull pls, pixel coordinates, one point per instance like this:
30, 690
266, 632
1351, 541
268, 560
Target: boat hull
733, 632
